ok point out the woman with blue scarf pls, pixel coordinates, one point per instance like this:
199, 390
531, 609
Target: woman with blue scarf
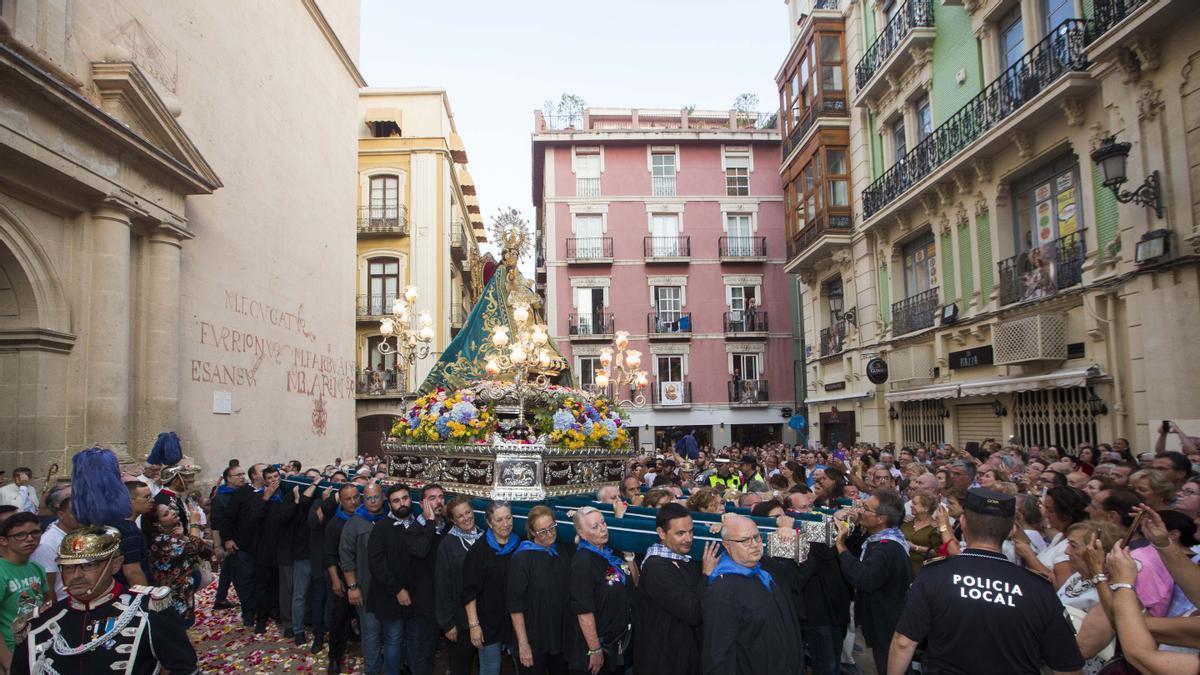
601, 596
538, 597
485, 585
449, 610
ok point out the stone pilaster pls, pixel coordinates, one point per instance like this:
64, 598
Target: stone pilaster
106, 421
161, 360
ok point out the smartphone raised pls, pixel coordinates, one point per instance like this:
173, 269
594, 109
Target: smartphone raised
1133, 528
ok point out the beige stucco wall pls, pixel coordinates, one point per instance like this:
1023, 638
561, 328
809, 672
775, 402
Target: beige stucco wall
262, 92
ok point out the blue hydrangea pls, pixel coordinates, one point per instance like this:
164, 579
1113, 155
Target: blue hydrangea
441, 426
414, 420
591, 412
588, 425
611, 426
463, 412
563, 420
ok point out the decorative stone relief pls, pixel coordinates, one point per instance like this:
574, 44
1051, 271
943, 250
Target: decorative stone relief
1002, 195
983, 169
1149, 102
921, 55
1099, 133
961, 215
1147, 53
981, 205
929, 204
962, 181
943, 225
1073, 110
945, 192
1185, 73
1127, 62
1024, 142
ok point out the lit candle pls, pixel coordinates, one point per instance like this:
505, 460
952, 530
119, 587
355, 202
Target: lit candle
622, 339
398, 307
517, 354
601, 378
544, 358
640, 380
426, 334
387, 327
500, 336
521, 313
491, 367
410, 294
605, 357
426, 320
633, 359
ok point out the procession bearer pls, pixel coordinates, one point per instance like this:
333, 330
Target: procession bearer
980, 614
103, 627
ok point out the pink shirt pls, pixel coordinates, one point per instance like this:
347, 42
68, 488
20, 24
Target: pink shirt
1154, 584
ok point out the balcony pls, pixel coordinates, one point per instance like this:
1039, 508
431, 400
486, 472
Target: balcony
669, 325
742, 249
589, 250
1059, 53
667, 249
915, 312
458, 247
1044, 271
584, 327
911, 27
833, 339
380, 384
816, 242
372, 307
745, 324
671, 395
827, 104
383, 220
587, 187
662, 186
748, 392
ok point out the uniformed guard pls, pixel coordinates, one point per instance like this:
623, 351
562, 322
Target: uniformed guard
980, 614
103, 627
724, 477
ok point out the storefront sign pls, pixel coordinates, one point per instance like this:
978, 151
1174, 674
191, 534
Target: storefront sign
835, 386
971, 358
877, 371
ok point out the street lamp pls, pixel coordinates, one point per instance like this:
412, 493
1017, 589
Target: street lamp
1110, 157
622, 367
519, 355
413, 332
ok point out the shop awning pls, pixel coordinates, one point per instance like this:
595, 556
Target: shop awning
1059, 379
846, 396
933, 391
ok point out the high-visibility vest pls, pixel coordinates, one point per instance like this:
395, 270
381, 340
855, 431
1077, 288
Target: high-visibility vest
733, 481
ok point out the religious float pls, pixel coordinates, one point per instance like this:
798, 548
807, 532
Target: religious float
497, 417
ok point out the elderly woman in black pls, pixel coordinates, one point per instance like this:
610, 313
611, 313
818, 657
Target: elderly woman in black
537, 596
485, 587
601, 594
448, 610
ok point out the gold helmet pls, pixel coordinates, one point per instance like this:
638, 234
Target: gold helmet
91, 543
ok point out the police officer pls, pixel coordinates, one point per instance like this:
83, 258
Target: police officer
724, 477
980, 614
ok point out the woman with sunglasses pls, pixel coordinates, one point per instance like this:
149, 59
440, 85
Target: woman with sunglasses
601, 595
538, 596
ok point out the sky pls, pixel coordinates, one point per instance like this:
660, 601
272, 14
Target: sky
499, 60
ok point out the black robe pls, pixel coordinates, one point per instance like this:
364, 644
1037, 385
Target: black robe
668, 611
749, 630
538, 589
397, 556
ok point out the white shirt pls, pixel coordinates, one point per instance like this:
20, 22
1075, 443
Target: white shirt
46, 555
1055, 552
28, 503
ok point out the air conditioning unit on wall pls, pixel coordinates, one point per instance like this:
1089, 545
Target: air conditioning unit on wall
1041, 337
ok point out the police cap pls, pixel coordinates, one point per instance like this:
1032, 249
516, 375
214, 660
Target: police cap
989, 503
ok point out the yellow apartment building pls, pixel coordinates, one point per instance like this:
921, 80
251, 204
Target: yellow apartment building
419, 224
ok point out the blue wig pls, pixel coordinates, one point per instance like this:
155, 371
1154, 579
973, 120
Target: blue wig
98, 495
167, 450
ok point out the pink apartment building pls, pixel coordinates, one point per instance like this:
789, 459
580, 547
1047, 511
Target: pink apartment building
669, 224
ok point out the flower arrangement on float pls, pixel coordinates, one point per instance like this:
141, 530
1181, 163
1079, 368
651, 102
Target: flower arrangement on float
446, 417
576, 422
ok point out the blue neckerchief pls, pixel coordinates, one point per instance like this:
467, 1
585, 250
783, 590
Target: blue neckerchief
370, 517
276, 496
660, 550
890, 534
509, 546
726, 565
468, 538
530, 545
342, 515
607, 554
225, 490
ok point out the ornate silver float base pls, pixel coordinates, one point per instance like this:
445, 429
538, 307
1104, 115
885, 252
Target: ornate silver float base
513, 472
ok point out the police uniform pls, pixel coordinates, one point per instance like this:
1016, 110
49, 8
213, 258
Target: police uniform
980, 614
130, 631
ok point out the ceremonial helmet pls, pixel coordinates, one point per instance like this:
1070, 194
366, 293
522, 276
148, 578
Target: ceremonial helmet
88, 544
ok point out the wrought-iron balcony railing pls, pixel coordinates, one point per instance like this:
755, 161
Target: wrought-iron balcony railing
830, 223
914, 312
833, 338
827, 104
1108, 13
747, 392
743, 321
913, 14
375, 305
742, 247
670, 393
1060, 52
1043, 271
669, 323
667, 247
587, 187
383, 219
598, 324
662, 186
589, 248
379, 383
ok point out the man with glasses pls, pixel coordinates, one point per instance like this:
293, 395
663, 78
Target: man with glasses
750, 622
102, 626
355, 565
22, 583
239, 525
